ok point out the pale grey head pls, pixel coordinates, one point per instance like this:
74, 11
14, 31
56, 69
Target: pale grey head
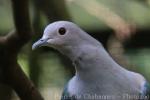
62, 35
59, 34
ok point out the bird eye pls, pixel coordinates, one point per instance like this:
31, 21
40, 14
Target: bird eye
62, 31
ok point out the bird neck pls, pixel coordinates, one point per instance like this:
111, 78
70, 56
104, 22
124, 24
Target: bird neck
93, 61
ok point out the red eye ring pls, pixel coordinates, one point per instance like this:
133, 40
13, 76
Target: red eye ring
62, 31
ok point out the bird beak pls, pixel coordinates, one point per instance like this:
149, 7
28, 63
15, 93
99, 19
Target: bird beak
40, 43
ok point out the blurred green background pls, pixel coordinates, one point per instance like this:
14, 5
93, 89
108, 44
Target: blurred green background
49, 70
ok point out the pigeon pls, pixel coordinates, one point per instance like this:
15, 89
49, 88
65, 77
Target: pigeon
97, 75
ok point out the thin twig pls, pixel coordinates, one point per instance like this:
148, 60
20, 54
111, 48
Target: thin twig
103, 13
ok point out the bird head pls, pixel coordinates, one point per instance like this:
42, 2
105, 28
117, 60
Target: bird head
67, 38
59, 35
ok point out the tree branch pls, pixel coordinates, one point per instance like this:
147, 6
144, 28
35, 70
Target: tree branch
22, 23
10, 45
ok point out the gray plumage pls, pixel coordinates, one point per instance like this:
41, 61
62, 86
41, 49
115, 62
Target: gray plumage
98, 76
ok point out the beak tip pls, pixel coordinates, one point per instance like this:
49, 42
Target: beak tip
34, 46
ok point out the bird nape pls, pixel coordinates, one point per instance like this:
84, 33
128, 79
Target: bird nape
98, 76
